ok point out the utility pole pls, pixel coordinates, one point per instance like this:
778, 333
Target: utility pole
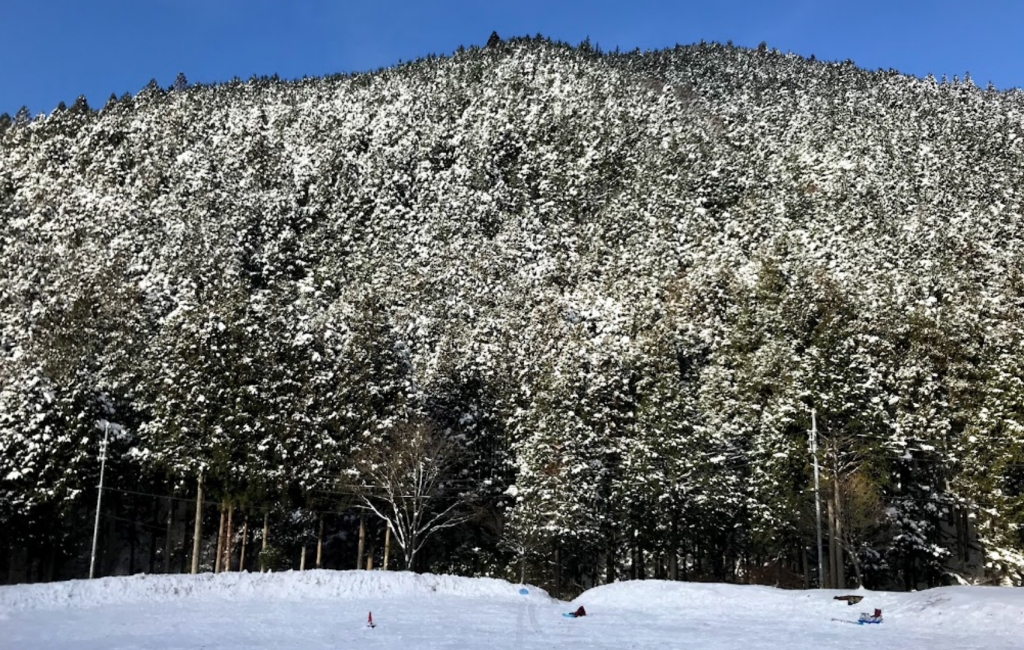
817, 495
99, 499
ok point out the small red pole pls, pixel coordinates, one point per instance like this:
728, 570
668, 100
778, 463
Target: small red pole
369, 620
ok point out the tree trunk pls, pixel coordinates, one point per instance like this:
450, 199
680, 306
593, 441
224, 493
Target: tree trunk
152, 535
109, 551
832, 544
387, 546
856, 569
220, 540
610, 575
186, 560
673, 557
302, 558
320, 544
362, 540
840, 564
229, 537
245, 541
558, 573
198, 534
133, 540
14, 564
369, 559
51, 562
168, 544
263, 547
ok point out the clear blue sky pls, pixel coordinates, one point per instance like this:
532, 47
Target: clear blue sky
55, 50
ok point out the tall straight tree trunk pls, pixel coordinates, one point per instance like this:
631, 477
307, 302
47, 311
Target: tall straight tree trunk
198, 534
263, 547
840, 564
229, 537
856, 569
133, 541
50, 567
168, 544
152, 535
387, 546
362, 540
220, 540
320, 544
302, 558
558, 572
245, 540
832, 544
186, 559
673, 557
610, 574
806, 567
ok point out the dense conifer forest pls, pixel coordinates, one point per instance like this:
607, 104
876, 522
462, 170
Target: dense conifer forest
551, 313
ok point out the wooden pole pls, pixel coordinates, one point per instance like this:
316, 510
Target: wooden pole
198, 534
387, 546
302, 558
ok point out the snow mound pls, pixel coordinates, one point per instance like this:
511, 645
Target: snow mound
943, 607
287, 586
678, 596
952, 606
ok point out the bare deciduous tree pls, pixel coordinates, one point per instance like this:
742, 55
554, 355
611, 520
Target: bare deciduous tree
407, 482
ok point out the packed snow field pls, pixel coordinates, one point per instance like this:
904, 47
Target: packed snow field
328, 609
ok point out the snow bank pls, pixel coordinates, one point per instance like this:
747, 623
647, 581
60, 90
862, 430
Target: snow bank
679, 596
289, 585
944, 607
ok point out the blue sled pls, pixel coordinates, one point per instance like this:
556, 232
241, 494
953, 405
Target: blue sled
569, 615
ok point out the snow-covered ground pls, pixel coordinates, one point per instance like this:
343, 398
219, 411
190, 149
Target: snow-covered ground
328, 609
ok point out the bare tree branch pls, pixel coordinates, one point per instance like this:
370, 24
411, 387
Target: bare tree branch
404, 480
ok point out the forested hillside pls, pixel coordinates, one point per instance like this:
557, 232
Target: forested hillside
587, 301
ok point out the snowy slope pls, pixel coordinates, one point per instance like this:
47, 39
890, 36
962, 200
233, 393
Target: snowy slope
322, 609
288, 586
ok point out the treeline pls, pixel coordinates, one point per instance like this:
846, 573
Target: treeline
551, 313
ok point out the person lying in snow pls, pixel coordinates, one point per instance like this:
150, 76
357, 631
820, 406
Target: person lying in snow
870, 618
577, 614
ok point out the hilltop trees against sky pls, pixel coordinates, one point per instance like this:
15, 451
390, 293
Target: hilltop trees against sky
620, 282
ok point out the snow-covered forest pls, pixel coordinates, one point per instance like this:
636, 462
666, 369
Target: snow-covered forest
596, 295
